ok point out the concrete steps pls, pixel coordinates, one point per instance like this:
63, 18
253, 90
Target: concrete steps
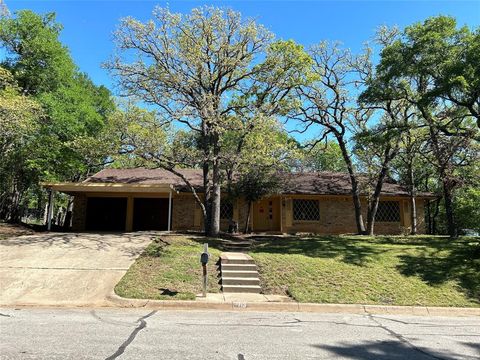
253, 289
239, 273
239, 267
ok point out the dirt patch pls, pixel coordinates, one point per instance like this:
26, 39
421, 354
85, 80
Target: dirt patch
11, 230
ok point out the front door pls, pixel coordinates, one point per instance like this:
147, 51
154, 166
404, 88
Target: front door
266, 215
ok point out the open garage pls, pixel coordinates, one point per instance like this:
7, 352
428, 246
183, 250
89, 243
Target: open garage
106, 213
150, 214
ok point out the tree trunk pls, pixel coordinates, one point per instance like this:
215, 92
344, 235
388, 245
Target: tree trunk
388, 155
15, 213
355, 189
413, 215
215, 211
247, 222
413, 205
448, 198
434, 217
373, 203
214, 203
429, 219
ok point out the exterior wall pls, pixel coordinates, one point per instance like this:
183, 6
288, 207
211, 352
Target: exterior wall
336, 215
187, 214
79, 214
242, 214
421, 226
184, 211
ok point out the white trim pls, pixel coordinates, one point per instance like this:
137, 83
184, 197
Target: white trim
169, 210
50, 209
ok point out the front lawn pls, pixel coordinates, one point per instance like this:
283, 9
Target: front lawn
169, 268
394, 270
421, 270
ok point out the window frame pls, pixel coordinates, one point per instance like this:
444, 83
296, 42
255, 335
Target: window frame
317, 201
398, 217
224, 203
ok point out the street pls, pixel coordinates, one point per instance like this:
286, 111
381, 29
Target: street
39, 333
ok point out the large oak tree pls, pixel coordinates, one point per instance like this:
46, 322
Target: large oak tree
210, 72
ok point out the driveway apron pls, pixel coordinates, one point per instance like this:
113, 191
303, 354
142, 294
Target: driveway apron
66, 269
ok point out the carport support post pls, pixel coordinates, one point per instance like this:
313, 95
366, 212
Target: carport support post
169, 210
50, 209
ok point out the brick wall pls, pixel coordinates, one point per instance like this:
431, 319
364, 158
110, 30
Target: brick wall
79, 214
337, 216
183, 213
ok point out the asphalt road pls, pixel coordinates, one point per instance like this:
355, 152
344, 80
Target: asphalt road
30, 333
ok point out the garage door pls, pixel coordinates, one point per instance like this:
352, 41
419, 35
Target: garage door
150, 214
106, 214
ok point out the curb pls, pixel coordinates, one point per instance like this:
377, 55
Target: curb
292, 307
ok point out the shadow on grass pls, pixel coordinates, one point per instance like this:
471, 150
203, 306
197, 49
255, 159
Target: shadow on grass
348, 250
457, 260
168, 292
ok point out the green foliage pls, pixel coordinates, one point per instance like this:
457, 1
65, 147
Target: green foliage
72, 138
467, 208
432, 67
38, 60
257, 183
323, 157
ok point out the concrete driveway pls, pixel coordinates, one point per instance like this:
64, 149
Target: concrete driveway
61, 269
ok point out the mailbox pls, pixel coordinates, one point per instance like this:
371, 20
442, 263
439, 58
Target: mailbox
204, 258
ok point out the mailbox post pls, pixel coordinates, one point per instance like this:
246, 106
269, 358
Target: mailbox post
204, 260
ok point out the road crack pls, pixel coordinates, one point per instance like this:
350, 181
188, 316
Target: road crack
132, 336
403, 339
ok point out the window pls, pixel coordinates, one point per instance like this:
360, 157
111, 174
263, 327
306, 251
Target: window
388, 211
306, 210
226, 210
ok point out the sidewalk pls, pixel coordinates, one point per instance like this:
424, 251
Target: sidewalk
260, 302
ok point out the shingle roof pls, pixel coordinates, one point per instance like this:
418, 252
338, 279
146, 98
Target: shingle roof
320, 183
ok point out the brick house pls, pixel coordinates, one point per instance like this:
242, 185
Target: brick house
155, 199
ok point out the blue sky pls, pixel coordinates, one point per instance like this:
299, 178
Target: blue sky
88, 25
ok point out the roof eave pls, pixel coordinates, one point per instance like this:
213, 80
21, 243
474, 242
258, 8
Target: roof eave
72, 188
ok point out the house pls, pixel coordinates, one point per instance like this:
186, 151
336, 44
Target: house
155, 199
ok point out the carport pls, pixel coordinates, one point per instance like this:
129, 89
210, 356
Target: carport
119, 207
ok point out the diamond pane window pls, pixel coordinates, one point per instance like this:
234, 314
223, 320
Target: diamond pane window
388, 211
226, 210
306, 210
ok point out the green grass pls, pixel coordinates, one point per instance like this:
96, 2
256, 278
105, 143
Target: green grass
393, 270
169, 268
422, 270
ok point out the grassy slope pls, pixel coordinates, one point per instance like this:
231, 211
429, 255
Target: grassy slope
421, 270
169, 268
383, 270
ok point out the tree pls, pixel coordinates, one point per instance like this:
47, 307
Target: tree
415, 67
325, 156
75, 111
330, 102
37, 59
254, 184
210, 72
377, 147
19, 120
